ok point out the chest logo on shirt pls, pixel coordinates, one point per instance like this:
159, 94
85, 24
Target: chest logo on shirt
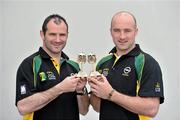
42, 76
105, 71
51, 75
126, 71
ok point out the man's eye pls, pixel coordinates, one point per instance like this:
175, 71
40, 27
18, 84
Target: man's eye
52, 34
116, 30
62, 34
127, 30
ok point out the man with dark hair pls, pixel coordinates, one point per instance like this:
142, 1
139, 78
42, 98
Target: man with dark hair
47, 86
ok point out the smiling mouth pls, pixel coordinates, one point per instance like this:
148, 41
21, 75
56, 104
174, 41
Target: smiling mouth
57, 45
122, 42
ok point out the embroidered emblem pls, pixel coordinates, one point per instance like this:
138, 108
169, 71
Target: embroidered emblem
51, 75
157, 87
126, 71
23, 89
105, 72
42, 76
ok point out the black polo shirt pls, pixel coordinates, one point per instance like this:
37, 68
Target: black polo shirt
65, 106
123, 78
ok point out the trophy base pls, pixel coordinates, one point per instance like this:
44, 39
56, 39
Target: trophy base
94, 74
81, 74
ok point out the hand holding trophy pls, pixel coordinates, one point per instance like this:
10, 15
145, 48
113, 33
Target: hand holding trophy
92, 61
81, 60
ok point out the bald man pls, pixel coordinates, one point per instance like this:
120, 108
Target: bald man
121, 93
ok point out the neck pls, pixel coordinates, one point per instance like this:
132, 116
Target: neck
57, 57
53, 55
120, 53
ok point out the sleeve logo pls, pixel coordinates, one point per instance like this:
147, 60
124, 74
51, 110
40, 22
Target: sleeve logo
23, 89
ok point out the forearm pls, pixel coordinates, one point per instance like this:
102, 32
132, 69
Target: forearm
38, 100
83, 104
95, 102
140, 105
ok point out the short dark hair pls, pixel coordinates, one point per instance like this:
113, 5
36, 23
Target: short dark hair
57, 18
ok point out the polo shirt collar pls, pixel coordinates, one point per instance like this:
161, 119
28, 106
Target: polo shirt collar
46, 56
134, 52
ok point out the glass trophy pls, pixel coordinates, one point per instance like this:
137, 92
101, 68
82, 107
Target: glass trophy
81, 60
92, 61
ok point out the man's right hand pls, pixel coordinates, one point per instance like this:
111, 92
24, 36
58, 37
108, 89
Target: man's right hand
69, 84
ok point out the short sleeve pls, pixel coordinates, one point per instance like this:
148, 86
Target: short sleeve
24, 81
151, 84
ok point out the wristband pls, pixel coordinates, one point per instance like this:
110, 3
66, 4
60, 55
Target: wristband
110, 94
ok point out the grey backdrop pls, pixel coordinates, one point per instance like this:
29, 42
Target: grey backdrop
89, 22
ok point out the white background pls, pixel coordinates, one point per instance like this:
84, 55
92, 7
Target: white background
89, 23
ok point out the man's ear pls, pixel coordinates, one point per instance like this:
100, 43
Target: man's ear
42, 35
136, 31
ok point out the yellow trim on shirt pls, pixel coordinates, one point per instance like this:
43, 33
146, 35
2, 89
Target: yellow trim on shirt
141, 117
28, 116
56, 64
117, 58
